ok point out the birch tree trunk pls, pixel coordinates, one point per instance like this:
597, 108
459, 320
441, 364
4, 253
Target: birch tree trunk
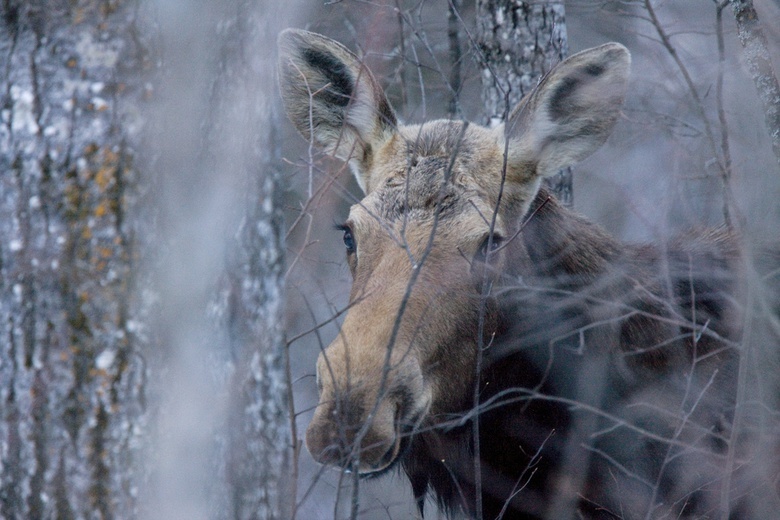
141, 261
759, 61
71, 370
520, 41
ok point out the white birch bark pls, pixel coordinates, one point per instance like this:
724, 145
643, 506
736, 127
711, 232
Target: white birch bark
756, 52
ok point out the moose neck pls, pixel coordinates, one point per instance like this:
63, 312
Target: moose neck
563, 245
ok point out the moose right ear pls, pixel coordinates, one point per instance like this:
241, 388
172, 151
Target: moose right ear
333, 99
571, 112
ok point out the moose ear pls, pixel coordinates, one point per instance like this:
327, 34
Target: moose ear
571, 112
333, 99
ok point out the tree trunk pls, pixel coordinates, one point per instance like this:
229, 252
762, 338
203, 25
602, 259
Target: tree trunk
519, 42
756, 52
71, 370
141, 366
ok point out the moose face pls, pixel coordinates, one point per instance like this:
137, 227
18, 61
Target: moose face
443, 202
418, 246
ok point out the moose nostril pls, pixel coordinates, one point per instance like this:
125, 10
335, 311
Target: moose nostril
331, 443
331, 455
335, 447
325, 448
322, 445
348, 433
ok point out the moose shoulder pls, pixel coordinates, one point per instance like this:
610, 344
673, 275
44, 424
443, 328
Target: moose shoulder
514, 359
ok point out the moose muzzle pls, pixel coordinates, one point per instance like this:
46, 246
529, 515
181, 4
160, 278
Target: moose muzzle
368, 408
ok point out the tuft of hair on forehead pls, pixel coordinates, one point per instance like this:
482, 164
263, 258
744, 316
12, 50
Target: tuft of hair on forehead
440, 138
424, 196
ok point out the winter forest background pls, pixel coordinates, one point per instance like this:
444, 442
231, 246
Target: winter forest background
168, 265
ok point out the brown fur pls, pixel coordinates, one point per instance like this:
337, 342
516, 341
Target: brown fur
583, 352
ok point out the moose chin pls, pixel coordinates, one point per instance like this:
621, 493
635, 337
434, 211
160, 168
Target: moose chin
511, 357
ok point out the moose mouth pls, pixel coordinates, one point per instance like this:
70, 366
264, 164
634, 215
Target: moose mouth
404, 434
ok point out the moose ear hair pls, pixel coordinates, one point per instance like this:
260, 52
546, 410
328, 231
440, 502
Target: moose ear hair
333, 99
571, 112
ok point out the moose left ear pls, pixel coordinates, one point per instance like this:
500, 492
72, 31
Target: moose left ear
571, 112
333, 99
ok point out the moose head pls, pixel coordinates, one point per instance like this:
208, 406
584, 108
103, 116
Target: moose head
433, 235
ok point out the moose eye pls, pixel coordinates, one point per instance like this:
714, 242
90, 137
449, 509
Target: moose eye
489, 246
349, 239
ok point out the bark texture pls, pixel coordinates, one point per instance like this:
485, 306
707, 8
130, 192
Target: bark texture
260, 435
71, 370
519, 42
756, 52
141, 261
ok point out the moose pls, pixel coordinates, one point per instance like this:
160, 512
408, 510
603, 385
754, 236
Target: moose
509, 356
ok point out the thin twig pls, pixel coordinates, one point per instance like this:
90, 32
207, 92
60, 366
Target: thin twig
453, 35
724, 128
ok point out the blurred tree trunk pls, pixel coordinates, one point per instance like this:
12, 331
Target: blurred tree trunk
71, 372
759, 61
259, 425
520, 41
85, 241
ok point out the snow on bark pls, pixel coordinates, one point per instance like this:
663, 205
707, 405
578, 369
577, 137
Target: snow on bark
260, 439
519, 41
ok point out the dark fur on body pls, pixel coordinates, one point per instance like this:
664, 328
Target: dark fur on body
660, 316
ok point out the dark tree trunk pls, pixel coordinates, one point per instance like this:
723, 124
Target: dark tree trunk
519, 42
103, 312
